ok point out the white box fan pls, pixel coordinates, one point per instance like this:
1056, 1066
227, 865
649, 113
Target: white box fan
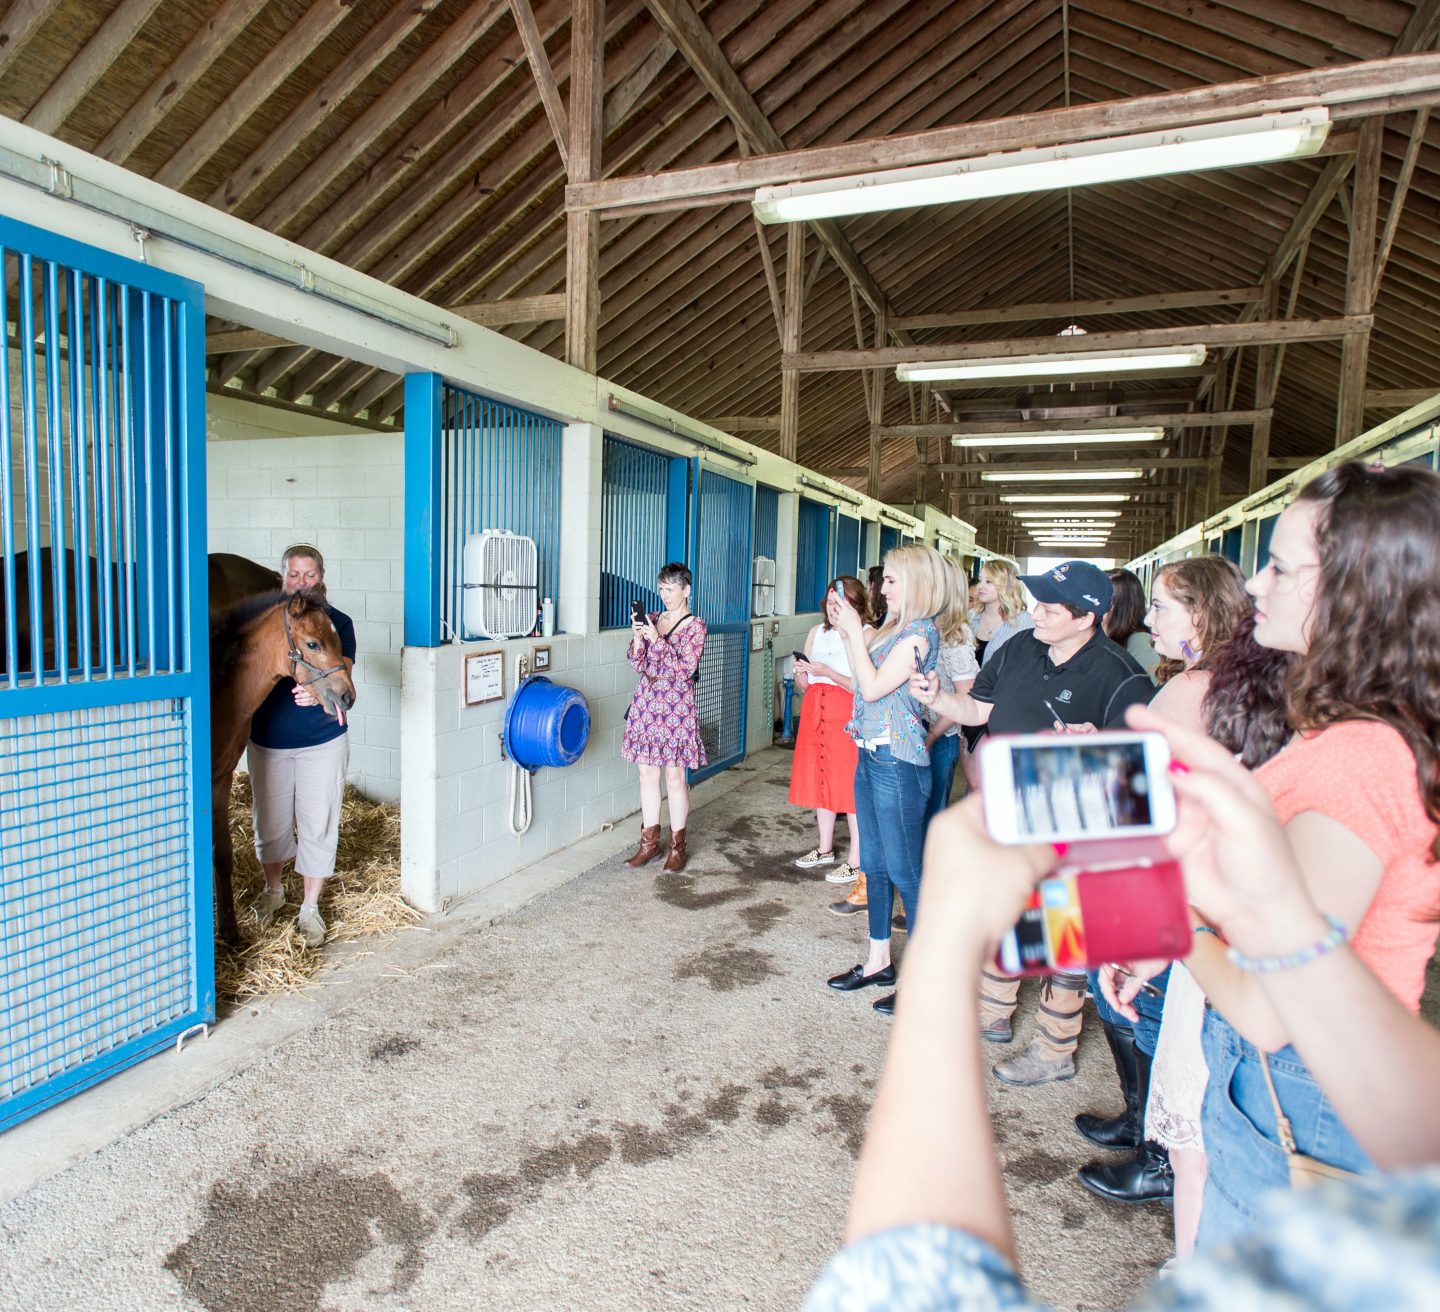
763, 591
502, 584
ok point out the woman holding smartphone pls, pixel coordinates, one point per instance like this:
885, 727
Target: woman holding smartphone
892, 777
1352, 588
1000, 614
822, 770
662, 726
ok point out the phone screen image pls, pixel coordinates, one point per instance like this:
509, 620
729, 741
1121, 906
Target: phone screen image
1080, 788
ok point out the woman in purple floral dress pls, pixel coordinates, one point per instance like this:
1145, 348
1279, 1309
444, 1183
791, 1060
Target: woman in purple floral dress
662, 727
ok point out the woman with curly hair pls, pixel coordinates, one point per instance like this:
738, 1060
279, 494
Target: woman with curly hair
1196, 606
1352, 588
999, 616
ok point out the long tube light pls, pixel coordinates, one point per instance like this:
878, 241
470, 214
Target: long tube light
843, 494
1064, 498
1057, 438
1025, 515
1065, 476
1054, 363
620, 406
1258, 140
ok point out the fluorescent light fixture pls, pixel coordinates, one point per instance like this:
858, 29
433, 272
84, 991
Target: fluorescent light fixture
1057, 438
1063, 498
1068, 525
1064, 514
1054, 362
1258, 140
1065, 476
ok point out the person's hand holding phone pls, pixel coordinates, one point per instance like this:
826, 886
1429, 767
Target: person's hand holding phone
842, 614
924, 688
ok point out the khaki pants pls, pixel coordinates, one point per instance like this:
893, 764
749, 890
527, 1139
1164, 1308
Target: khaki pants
297, 795
1061, 1012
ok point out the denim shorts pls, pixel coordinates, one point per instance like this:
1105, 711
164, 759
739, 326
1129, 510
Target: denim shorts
1241, 1139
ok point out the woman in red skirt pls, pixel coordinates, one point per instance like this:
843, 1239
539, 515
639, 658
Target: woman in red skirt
822, 774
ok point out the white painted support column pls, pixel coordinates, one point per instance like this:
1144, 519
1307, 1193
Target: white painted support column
869, 546
581, 455
787, 534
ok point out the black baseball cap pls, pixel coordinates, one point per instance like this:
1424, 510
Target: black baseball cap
1075, 583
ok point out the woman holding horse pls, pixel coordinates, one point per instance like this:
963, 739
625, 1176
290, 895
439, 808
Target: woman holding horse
298, 754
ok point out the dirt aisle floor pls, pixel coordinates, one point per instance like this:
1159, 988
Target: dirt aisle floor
633, 1093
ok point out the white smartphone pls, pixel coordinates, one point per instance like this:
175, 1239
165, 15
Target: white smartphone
1058, 787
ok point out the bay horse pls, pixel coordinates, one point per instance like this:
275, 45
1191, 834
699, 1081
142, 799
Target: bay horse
252, 647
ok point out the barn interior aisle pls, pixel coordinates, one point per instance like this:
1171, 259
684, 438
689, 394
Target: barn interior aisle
633, 1092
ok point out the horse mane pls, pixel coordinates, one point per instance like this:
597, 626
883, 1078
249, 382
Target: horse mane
231, 625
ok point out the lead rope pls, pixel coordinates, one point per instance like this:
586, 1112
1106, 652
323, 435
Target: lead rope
519, 820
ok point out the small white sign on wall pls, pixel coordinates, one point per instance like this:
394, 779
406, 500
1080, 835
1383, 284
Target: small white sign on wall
484, 677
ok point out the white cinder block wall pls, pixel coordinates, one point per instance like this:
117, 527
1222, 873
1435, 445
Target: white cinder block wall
344, 494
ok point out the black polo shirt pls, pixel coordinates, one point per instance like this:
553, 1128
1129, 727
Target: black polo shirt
1093, 687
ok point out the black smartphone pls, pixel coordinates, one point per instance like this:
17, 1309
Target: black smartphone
637, 612
800, 656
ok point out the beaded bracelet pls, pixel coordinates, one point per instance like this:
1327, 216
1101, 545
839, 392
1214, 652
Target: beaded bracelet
1205, 929
1301, 957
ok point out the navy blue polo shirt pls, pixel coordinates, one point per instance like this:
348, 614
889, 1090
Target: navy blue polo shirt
1095, 686
281, 725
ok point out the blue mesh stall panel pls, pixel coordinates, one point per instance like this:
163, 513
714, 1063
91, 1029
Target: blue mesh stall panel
106, 942
635, 514
767, 521
847, 544
97, 909
720, 557
889, 540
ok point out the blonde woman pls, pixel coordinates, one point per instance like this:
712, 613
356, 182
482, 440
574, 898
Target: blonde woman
999, 616
958, 666
892, 778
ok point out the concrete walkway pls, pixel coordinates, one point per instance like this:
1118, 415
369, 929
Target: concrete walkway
630, 1092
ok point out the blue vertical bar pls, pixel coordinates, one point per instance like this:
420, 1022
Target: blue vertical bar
7, 501
678, 511
55, 468
80, 479
422, 519
31, 440
101, 409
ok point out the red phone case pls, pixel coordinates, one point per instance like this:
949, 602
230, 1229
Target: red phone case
1126, 912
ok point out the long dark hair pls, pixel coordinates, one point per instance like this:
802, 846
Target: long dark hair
1374, 648
1244, 705
875, 576
1212, 589
1126, 616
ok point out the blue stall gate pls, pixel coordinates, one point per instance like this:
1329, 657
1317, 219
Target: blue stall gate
106, 920
847, 544
889, 540
720, 564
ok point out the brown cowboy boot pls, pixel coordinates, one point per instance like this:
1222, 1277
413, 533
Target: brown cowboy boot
675, 862
649, 847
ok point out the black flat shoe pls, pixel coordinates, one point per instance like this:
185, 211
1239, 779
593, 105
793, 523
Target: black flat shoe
856, 978
886, 1005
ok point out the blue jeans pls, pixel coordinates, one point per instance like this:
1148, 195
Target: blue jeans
1151, 1008
944, 757
890, 798
1241, 1140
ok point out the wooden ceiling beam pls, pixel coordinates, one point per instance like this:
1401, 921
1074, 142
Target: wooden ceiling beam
523, 309
318, 21
449, 48
1215, 334
1077, 309
90, 65
544, 78
162, 95
22, 20
582, 232
1398, 398
368, 54
1346, 89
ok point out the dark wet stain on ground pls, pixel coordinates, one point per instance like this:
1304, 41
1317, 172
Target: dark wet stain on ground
726, 967
1073, 1218
1038, 1167
777, 1077
278, 1243
759, 917
392, 1046
642, 1144
775, 1112
493, 1197
685, 896
848, 1111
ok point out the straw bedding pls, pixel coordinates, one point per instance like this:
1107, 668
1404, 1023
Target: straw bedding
360, 901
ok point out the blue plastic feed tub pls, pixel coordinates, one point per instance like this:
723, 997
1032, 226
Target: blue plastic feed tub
546, 724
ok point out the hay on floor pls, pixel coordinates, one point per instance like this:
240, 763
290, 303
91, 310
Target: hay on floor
361, 900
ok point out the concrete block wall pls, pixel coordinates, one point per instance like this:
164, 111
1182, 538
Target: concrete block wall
344, 494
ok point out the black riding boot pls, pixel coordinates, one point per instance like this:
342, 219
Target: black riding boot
1143, 1178
1123, 1131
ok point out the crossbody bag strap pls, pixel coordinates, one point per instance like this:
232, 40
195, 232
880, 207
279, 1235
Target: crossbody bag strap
1282, 1122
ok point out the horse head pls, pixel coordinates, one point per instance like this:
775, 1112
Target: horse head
317, 663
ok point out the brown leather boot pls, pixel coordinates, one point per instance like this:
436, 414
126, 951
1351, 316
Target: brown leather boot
675, 862
648, 849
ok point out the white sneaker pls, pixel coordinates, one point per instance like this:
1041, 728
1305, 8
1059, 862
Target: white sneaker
310, 926
267, 902
842, 874
815, 857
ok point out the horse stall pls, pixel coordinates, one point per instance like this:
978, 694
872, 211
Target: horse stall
106, 945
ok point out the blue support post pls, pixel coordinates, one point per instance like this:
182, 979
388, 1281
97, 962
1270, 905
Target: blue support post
422, 509
677, 512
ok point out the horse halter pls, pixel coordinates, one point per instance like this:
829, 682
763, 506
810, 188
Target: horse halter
297, 658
